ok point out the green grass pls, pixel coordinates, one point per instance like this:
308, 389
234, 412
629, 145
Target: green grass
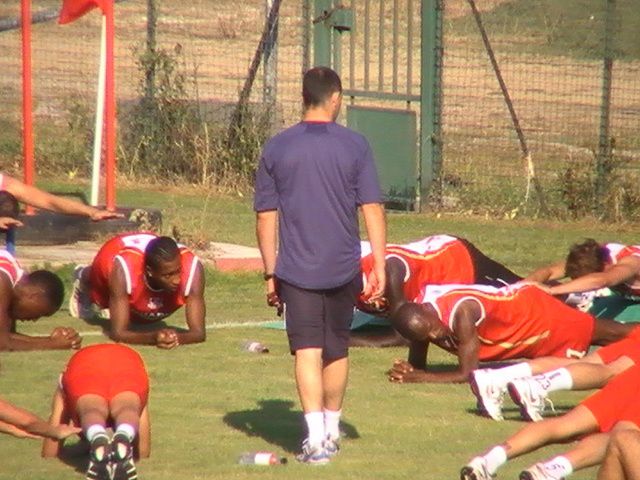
211, 402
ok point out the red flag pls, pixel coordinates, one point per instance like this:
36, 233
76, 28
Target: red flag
74, 9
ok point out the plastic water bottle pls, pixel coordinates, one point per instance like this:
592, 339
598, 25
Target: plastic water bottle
261, 458
254, 347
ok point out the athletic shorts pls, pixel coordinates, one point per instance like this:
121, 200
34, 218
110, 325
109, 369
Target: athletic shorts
617, 401
629, 346
105, 370
101, 270
487, 271
320, 318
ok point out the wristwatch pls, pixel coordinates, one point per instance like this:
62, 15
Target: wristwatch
267, 276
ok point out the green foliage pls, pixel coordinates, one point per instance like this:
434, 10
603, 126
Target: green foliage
606, 187
165, 136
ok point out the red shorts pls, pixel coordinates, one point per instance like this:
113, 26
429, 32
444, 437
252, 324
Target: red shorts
617, 401
627, 347
105, 370
101, 271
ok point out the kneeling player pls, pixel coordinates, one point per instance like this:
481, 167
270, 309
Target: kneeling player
105, 386
142, 278
615, 404
480, 323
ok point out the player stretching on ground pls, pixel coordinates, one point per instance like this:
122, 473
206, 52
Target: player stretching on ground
29, 296
479, 323
142, 278
551, 374
592, 266
434, 260
616, 405
105, 386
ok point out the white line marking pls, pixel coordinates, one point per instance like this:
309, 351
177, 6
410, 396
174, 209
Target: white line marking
212, 326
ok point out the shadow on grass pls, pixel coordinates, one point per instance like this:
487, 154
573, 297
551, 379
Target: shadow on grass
513, 413
76, 456
275, 421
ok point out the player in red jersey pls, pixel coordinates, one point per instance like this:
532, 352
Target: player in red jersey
142, 278
591, 266
434, 260
105, 386
480, 323
29, 296
608, 410
529, 383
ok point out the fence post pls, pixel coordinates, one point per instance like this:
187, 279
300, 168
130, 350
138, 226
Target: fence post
322, 33
430, 93
603, 158
150, 72
270, 59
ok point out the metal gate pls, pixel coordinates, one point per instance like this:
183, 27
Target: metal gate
391, 79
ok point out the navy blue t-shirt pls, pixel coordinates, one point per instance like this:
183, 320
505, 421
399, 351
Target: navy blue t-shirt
316, 175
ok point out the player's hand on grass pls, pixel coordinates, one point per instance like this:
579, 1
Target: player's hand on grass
98, 215
65, 337
403, 372
8, 222
167, 339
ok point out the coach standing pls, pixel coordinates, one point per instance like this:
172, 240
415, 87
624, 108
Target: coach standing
311, 179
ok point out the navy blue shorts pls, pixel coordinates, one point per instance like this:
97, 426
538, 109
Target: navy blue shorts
320, 318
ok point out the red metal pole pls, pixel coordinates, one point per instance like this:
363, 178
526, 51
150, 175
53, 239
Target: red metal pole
110, 111
27, 100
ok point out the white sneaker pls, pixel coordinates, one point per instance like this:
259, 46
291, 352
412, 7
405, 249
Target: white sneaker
538, 472
80, 305
489, 395
530, 396
332, 445
476, 469
313, 454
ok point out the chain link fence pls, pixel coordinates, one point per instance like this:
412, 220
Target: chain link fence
571, 71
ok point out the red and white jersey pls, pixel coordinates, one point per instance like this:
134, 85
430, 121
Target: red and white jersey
434, 260
617, 252
517, 321
10, 267
147, 304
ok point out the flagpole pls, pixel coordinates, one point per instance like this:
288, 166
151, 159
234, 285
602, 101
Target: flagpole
110, 108
99, 126
27, 99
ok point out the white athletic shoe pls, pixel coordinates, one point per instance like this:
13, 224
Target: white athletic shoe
530, 395
476, 469
539, 472
489, 395
80, 305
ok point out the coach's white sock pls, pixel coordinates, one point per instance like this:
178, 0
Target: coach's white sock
496, 457
505, 374
93, 431
128, 430
559, 467
332, 423
315, 426
559, 379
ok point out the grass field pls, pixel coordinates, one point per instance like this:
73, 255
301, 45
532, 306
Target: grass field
211, 402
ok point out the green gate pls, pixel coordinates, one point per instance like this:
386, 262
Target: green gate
395, 108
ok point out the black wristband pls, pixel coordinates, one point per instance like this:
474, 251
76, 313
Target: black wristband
268, 276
